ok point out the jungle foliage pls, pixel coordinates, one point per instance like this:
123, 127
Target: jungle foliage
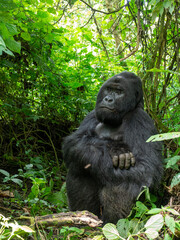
54, 56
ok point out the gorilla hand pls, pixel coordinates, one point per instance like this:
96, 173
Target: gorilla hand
123, 160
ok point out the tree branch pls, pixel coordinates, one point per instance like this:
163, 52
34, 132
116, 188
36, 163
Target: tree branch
100, 34
96, 10
88, 20
61, 15
138, 34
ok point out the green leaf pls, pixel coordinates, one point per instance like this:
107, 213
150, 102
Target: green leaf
12, 29
42, 14
167, 237
170, 223
163, 136
172, 211
6, 5
5, 173
158, 9
4, 31
3, 49
123, 227
155, 222
13, 45
151, 233
177, 225
110, 232
135, 225
176, 180
72, 2
2, 43
51, 10
49, 38
154, 211
162, 70
26, 229
26, 36
141, 209
172, 162
50, 1
17, 181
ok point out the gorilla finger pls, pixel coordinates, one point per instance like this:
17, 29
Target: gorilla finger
122, 158
128, 160
131, 154
133, 161
115, 161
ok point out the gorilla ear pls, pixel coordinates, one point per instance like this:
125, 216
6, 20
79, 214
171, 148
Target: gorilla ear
139, 98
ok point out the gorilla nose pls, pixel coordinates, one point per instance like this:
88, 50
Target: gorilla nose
108, 99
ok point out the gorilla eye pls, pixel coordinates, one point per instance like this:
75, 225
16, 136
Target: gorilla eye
114, 90
109, 89
118, 91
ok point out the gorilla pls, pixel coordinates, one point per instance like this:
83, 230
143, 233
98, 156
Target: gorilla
108, 159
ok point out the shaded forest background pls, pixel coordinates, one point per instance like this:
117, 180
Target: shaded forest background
54, 56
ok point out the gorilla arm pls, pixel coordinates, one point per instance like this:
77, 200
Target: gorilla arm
120, 153
138, 128
85, 153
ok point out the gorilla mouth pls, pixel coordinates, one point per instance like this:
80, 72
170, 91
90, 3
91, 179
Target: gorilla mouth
108, 108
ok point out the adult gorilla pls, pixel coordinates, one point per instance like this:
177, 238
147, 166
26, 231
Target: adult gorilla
108, 158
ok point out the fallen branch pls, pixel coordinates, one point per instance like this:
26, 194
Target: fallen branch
79, 218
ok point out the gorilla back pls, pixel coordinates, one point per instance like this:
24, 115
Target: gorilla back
108, 159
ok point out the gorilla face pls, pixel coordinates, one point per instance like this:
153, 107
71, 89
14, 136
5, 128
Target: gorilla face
118, 95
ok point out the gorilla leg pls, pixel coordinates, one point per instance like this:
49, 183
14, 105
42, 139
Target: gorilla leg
83, 194
117, 201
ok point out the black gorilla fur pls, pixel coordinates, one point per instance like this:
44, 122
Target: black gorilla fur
108, 158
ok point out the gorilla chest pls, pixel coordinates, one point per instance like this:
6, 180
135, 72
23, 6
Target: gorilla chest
108, 132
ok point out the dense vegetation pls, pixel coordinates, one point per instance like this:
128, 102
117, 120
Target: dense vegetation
54, 56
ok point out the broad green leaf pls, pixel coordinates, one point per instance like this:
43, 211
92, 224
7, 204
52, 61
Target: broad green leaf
51, 10
42, 14
170, 223
123, 227
135, 225
26, 229
98, 237
6, 5
12, 29
4, 31
172, 162
167, 3
50, 1
171, 210
177, 225
13, 45
4, 49
155, 222
176, 180
154, 211
162, 70
141, 209
163, 136
158, 9
110, 231
151, 233
72, 2
5, 173
167, 237
49, 37
26, 36
17, 181
2, 43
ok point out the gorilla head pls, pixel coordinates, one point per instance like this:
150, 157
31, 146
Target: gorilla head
118, 96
